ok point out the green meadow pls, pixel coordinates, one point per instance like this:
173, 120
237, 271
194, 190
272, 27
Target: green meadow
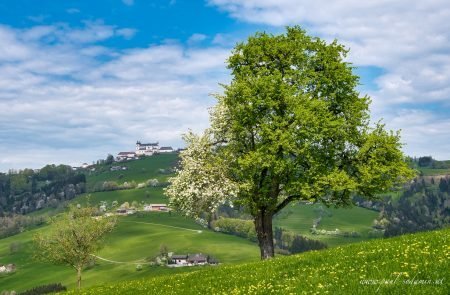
140, 236
299, 218
135, 239
409, 264
138, 170
147, 195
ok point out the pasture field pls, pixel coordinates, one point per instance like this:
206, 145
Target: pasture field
299, 218
138, 170
410, 264
149, 195
434, 171
135, 239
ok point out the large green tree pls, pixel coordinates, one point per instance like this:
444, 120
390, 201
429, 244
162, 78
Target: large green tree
74, 238
290, 126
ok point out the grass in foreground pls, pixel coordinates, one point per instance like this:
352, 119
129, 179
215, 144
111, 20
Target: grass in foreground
410, 264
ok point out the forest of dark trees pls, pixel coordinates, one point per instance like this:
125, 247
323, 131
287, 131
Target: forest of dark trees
425, 205
28, 190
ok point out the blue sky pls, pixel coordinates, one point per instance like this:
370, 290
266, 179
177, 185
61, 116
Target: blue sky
81, 79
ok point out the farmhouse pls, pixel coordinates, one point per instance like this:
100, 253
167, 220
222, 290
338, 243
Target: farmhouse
118, 168
192, 259
197, 259
166, 149
122, 156
180, 259
7, 268
156, 207
121, 211
131, 211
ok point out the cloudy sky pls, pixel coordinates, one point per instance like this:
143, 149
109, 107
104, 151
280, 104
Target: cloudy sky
80, 80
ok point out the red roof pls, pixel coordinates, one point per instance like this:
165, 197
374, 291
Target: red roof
125, 153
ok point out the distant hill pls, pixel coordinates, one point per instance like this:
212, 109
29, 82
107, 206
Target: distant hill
427, 166
136, 240
158, 166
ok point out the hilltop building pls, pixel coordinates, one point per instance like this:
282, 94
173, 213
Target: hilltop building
146, 149
166, 149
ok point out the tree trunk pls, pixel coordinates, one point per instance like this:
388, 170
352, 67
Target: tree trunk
263, 227
79, 277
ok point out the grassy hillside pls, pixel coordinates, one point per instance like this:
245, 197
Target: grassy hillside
410, 264
146, 195
138, 170
434, 171
135, 239
299, 219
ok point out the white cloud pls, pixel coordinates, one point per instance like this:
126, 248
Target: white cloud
128, 2
196, 38
67, 103
73, 11
423, 132
409, 40
38, 18
127, 33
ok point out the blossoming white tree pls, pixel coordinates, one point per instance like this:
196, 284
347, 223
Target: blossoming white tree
290, 126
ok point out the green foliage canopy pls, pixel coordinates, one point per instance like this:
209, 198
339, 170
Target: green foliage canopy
290, 126
75, 237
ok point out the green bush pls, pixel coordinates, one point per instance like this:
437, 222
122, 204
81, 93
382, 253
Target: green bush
45, 289
238, 227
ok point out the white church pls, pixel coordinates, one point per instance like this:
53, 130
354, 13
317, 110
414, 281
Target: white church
146, 149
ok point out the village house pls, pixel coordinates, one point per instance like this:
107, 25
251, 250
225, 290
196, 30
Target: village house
118, 168
7, 268
197, 259
179, 259
121, 211
123, 156
192, 259
131, 211
156, 207
166, 149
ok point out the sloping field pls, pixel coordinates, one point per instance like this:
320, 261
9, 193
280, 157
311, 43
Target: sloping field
410, 264
134, 240
138, 170
299, 219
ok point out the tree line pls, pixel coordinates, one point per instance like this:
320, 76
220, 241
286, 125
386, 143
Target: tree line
28, 190
424, 205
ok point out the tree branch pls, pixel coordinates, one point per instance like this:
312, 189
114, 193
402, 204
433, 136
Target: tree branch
263, 176
218, 142
285, 202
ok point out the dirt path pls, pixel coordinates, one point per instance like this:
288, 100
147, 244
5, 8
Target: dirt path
119, 262
183, 228
136, 262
